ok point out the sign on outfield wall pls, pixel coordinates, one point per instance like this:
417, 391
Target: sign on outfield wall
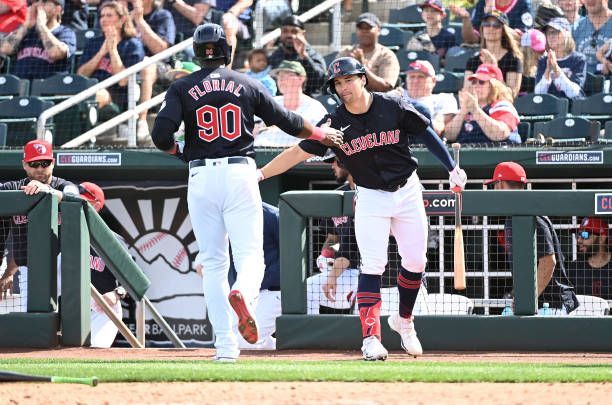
603, 204
155, 224
439, 202
588, 157
88, 159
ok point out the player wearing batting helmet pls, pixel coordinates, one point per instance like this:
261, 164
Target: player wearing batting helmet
376, 151
217, 106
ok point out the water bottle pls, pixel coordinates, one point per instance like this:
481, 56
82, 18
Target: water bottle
507, 311
546, 311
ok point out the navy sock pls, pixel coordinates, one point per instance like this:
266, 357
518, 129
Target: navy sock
368, 300
408, 284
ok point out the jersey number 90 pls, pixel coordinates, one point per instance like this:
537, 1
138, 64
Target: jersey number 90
214, 122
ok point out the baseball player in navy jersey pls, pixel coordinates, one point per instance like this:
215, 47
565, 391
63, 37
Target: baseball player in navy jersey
389, 199
217, 106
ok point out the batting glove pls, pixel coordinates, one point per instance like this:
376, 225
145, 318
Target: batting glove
457, 179
325, 261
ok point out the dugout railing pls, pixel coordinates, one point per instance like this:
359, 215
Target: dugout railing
524, 331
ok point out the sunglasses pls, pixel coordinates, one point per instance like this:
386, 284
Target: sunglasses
40, 163
584, 234
479, 82
492, 24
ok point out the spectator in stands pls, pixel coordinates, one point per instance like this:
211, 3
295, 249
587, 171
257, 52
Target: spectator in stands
75, 14
591, 274
114, 51
433, 15
604, 56
12, 14
382, 66
260, 71
486, 113
187, 15
294, 46
553, 285
181, 69
42, 45
291, 79
420, 82
533, 45
519, 16
562, 71
571, 10
157, 32
498, 46
593, 31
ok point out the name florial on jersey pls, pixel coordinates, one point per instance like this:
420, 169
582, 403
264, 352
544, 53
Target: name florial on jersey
200, 90
370, 141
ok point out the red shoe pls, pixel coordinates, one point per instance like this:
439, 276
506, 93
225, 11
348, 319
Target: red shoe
246, 323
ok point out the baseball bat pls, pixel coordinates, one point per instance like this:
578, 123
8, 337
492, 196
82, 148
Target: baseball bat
9, 376
459, 254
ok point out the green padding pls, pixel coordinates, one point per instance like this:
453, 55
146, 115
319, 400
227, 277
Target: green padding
293, 254
20, 329
16, 202
529, 202
347, 204
121, 264
524, 266
322, 203
76, 275
471, 333
42, 253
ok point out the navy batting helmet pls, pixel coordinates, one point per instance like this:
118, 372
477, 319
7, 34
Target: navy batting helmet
211, 34
343, 67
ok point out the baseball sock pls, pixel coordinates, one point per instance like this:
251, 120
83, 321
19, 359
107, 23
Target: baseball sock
408, 284
368, 300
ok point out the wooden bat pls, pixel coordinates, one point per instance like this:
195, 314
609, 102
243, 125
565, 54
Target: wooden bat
9, 376
459, 254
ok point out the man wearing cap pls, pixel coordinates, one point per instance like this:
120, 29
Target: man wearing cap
42, 45
591, 273
433, 14
291, 80
38, 163
382, 66
553, 285
420, 81
593, 31
520, 16
294, 47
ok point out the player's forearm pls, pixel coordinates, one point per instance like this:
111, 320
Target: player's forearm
285, 161
162, 134
546, 267
437, 148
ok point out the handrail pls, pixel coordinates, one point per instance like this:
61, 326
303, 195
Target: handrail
77, 98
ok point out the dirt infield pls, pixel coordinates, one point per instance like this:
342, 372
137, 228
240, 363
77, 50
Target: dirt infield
301, 392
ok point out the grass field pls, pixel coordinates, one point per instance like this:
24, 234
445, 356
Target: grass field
342, 371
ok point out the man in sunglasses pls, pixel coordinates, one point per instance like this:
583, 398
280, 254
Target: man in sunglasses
38, 163
553, 285
593, 31
591, 273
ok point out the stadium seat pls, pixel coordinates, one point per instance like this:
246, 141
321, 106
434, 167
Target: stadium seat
3, 132
391, 37
568, 129
524, 130
75, 120
456, 58
82, 36
538, 107
449, 304
527, 84
593, 84
329, 101
448, 82
408, 18
405, 58
329, 58
12, 86
591, 306
608, 130
20, 115
595, 107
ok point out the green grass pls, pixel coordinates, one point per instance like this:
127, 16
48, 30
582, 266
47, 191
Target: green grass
275, 370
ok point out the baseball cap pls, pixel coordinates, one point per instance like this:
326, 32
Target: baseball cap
181, 68
508, 171
369, 18
560, 24
435, 4
534, 39
330, 156
594, 224
37, 150
500, 16
290, 66
422, 66
293, 20
487, 72
93, 194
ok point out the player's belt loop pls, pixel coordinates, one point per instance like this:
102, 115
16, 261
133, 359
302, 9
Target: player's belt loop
219, 162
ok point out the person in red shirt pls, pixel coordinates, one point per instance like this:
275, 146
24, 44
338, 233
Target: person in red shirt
12, 15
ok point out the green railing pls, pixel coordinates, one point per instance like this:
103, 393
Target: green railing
524, 331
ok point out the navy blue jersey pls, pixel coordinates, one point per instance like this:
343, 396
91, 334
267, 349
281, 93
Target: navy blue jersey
444, 40
574, 67
218, 108
18, 224
161, 22
32, 60
519, 14
504, 111
101, 276
376, 148
271, 280
507, 63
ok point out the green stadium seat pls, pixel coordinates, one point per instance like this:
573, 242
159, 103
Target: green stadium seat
391, 37
595, 107
448, 82
608, 131
405, 58
3, 133
527, 84
12, 86
20, 114
457, 57
329, 58
408, 18
538, 107
329, 101
524, 130
593, 84
569, 129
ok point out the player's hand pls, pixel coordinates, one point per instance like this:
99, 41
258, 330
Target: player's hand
333, 136
35, 187
457, 179
6, 287
329, 288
